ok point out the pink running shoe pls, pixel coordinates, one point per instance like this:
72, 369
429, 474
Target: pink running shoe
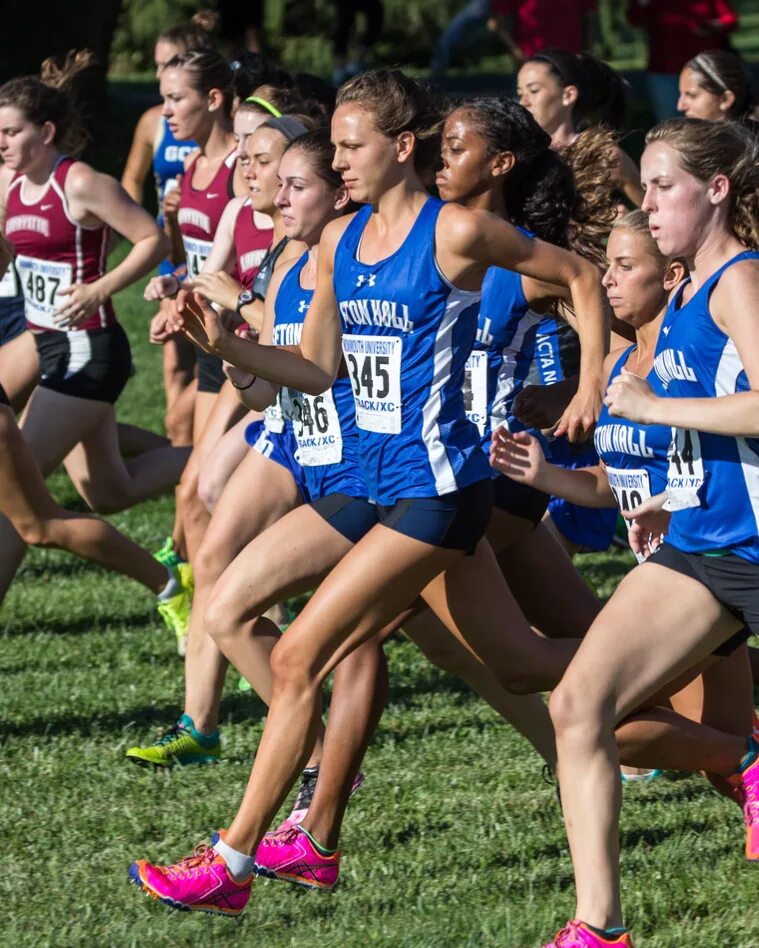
292, 857
578, 935
198, 883
305, 796
749, 786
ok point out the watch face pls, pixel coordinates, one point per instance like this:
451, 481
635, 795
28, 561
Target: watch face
244, 298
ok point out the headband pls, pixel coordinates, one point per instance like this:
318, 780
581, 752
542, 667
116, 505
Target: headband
287, 126
702, 64
265, 105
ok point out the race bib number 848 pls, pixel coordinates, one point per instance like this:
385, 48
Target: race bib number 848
374, 367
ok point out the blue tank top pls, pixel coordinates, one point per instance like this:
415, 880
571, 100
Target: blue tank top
407, 334
635, 455
324, 425
503, 350
169, 156
712, 480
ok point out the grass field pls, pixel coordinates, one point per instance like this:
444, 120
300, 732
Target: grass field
454, 841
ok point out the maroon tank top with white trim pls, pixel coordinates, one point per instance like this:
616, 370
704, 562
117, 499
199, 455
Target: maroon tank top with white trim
53, 251
200, 212
253, 233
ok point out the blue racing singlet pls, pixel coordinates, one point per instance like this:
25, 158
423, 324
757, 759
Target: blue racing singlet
407, 333
502, 354
712, 480
324, 425
169, 156
635, 455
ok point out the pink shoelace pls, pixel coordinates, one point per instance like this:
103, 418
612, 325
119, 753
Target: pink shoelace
202, 859
751, 803
568, 937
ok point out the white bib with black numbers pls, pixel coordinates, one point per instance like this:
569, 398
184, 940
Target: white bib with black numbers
374, 367
685, 470
476, 389
317, 430
629, 486
41, 280
195, 251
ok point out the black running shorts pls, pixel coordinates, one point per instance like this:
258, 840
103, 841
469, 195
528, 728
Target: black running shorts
732, 580
94, 364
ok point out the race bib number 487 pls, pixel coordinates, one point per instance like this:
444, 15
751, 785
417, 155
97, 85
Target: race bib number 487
374, 367
41, 280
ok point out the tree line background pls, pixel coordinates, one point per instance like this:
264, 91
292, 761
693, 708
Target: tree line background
298, 32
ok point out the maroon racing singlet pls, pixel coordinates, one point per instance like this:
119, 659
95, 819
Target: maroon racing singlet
200, 212
253, 234
53, 251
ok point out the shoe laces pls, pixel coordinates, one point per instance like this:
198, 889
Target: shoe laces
306, 792
171, 735
568, 936
200, 861
751, 801
286, 837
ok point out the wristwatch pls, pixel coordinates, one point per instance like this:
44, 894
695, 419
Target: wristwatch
245, 297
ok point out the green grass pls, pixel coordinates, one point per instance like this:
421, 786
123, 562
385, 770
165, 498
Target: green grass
454, 841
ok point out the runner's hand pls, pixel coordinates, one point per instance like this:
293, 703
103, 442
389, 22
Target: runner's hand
648, 525
220, 288
83, 300
518, 455
629, 396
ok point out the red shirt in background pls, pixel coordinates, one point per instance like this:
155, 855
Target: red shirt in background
542, 24
672, 26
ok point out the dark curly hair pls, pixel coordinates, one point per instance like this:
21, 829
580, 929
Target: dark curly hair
564, 197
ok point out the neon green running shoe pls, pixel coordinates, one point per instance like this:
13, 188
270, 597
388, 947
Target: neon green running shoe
180, 745
176, 610
168, 555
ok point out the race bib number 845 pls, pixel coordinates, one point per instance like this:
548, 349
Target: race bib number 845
374, 367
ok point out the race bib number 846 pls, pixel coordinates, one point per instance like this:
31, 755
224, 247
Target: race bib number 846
374, 367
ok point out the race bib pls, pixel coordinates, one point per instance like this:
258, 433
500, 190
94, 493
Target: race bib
9, 283
196, 252
317, 430
630, 487
273, 417
685, 470
41, 281
374, 367
476, 389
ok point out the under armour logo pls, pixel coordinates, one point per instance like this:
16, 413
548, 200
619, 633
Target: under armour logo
303, 306
370, 280
665, 330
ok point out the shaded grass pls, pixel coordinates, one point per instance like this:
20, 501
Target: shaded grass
454, 841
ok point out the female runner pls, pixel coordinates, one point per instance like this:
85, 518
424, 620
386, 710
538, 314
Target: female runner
58, 215
39, 521
635, 469
197, 90
699, 587
567, 92
270, 476
716, 86
19, 365
409, 329
154, 148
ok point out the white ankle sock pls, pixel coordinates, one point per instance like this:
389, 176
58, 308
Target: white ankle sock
240, 866
172, 586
